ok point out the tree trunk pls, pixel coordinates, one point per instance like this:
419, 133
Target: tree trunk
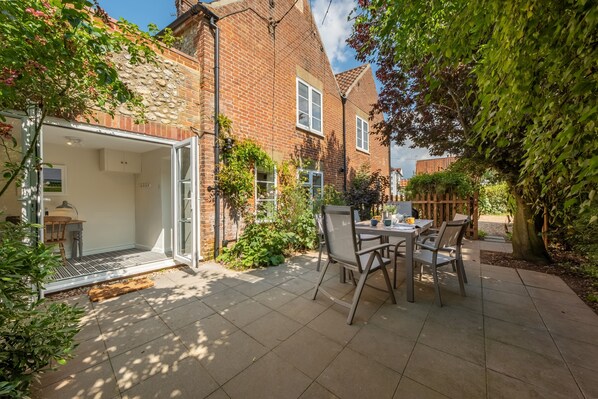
527, 243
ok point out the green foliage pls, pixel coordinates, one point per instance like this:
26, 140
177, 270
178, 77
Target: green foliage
441, 183
260, 244
534, 78
482, 234
58, 56
494, 199
367, 191
32, 333
236, 178
581, 236
332, 196
295, 213
292, 228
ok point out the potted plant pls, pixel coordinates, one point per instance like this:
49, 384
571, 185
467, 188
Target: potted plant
388, 211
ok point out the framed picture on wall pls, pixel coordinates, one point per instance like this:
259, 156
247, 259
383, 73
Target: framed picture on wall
54, 179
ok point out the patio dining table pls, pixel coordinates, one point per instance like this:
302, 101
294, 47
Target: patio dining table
408, 232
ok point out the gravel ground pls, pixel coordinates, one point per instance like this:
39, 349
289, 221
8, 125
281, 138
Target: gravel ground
494, 225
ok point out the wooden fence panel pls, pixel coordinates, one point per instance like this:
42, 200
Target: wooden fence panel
441, 208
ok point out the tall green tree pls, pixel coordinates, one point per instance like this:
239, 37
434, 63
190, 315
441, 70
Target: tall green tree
56, 59
532, 86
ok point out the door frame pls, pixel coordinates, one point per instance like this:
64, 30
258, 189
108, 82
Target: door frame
194, 257
52, 121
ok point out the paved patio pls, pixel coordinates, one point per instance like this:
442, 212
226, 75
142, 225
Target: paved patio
221, 334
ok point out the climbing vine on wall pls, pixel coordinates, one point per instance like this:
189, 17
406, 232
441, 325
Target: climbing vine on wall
238, 158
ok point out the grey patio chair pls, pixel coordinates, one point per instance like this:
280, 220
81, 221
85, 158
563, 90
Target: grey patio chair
341, 243
321, 239
449, 235
405, 208
364, 237
457, 250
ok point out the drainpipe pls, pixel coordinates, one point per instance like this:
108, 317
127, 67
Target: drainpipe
344, 102
216, 134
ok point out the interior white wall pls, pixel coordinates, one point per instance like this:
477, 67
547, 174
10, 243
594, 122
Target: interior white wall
105, 200
9, 203
152, 209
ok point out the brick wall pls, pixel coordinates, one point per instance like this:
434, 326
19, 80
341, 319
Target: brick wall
360, 100
259, 64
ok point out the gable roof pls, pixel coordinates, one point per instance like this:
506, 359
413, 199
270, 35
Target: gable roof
347, 79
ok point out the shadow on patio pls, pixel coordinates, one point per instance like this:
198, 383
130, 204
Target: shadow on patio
216, 333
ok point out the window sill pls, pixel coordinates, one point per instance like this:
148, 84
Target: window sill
308, 130
362, 150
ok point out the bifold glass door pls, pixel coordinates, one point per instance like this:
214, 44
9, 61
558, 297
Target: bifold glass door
186, 202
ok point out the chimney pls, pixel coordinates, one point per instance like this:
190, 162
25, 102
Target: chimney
182, 6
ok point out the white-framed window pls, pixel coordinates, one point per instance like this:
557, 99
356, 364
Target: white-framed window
363, 135
309, 107
265, 193
313, 181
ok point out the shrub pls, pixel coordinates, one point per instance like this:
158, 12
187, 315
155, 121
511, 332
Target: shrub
332, 196
440, 183
367, 191
295, 213
33, 333
260, 244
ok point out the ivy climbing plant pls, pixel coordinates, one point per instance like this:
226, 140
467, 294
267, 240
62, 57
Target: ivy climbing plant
236, 178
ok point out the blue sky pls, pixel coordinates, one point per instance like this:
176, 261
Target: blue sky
334, 30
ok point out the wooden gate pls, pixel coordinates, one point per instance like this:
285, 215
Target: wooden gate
441, 208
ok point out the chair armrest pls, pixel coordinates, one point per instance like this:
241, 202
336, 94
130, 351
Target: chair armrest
426, 246
372, 249
428, 237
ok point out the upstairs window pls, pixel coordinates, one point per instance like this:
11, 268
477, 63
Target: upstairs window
309, 107
363, 135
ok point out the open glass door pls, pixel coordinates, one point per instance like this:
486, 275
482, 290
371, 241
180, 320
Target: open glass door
185, 201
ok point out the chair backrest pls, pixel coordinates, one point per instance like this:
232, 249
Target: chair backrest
55, 228
466, 221
356, 216
339, 233
460, 216
450, 234
319, 226
405, 208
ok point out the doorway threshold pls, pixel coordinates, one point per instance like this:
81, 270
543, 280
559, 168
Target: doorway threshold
104, 276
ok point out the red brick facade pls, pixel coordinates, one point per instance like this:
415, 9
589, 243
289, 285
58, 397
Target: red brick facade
264, 47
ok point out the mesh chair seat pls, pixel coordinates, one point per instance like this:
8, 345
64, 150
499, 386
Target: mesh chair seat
368, 237
426, 256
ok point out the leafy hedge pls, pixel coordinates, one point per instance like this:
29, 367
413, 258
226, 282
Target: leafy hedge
445, 182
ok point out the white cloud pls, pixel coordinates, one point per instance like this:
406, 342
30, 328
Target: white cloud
336, 28
405, 157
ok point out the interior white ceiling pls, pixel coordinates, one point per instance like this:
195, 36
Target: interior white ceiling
57, 135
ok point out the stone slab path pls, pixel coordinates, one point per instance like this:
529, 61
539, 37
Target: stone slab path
214, 333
